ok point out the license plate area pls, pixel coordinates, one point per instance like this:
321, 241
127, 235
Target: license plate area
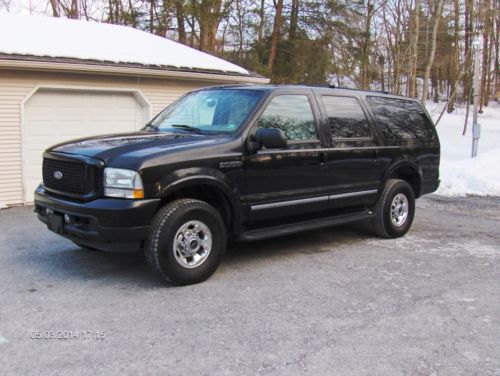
55, 222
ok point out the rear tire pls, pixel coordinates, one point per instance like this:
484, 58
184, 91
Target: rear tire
187, 241
395, 209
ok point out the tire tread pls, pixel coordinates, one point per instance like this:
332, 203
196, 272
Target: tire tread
164, 214
379, 219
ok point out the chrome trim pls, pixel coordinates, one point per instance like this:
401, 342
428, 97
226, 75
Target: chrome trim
288, 203
331, 149
312, 199
352, 194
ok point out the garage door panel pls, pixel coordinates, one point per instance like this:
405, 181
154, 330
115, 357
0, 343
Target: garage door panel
55, 116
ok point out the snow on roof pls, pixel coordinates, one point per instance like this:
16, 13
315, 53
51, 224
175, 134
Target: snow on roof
87, 40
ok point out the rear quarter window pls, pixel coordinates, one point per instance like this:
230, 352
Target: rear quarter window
401, 119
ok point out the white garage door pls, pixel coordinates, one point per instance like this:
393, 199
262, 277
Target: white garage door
52, 116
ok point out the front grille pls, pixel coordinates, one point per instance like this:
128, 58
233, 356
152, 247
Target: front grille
78, 178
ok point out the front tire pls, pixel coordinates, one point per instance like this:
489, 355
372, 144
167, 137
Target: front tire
85, 247
187, 241
395, 209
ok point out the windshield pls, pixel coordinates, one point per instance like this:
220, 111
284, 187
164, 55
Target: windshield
208, 111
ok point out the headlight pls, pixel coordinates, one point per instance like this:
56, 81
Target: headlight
122, 183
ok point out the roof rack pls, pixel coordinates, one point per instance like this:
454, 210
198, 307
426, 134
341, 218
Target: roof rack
331, 86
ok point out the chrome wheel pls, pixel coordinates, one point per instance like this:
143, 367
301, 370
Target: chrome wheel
399, 209
192, 244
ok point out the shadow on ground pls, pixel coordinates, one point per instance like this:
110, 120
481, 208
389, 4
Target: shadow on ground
60, 259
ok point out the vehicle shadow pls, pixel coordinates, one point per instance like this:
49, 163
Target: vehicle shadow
57, 260
317, 241
65, 261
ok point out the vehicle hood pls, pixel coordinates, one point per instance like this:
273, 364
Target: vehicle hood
134, 146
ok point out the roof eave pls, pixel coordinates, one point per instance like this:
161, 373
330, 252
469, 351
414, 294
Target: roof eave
129, 70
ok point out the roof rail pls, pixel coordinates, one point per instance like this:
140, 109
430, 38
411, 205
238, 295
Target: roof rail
331, 86
319, 85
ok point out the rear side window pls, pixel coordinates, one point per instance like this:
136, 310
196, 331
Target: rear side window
346, 117
401, 119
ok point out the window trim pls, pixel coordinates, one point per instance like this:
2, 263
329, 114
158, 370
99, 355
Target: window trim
327, 119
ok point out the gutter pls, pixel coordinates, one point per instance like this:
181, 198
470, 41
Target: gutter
124, 70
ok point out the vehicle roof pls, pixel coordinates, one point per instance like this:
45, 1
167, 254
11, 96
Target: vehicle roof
317, 88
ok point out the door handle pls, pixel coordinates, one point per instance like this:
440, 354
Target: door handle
322, 158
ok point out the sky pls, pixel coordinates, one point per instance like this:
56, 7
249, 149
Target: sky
40, 7
24, 6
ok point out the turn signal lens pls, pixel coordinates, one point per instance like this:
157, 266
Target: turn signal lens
138, 193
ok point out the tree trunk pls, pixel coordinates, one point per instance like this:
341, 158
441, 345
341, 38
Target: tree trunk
210, 12
275, 36
179, 14
489, 75
260, 33
467, 81
365, 47
55, 8
151, 15
455, 62
412, 81
497, 59
432, 52
485, 66
381, 65
294, 15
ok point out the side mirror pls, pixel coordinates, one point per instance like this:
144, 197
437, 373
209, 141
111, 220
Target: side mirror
270, 138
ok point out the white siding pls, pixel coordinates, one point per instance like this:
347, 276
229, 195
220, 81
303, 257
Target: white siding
16, 86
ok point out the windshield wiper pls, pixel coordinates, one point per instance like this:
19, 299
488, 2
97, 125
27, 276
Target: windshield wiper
187, 128
151, 127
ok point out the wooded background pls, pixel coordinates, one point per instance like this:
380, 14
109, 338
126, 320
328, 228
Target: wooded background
419, 48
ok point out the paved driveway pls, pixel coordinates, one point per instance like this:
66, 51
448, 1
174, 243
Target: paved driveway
323, 303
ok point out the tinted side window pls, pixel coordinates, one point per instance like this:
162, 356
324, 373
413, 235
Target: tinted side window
292, 114
346, 117
401, 119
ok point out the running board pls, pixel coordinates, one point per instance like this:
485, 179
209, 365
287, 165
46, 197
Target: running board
312, 224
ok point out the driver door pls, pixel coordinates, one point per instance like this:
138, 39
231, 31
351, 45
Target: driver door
289, 181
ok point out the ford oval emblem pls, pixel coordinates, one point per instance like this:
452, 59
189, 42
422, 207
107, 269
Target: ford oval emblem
58, 175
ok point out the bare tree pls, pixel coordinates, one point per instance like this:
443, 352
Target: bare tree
179, 15
412, 80
430, 59
483, 99
276, 35
454, 62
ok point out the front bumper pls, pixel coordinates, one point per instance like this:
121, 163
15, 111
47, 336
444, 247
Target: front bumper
109, 224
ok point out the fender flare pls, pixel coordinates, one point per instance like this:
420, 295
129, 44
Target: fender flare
405, 164
189, 177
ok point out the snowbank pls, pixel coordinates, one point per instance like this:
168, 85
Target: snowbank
460, 174
60, 37
479, 176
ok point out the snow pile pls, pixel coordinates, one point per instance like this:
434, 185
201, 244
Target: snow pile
479, 176
460, 174
59, 37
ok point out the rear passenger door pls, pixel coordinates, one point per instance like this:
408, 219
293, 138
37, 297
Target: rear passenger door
353, 175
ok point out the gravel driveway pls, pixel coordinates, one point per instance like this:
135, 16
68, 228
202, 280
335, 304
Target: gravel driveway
336, 302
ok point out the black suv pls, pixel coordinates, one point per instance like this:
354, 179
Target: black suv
241, 162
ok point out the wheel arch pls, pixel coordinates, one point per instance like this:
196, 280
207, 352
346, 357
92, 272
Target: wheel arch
409, 172
209, 187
